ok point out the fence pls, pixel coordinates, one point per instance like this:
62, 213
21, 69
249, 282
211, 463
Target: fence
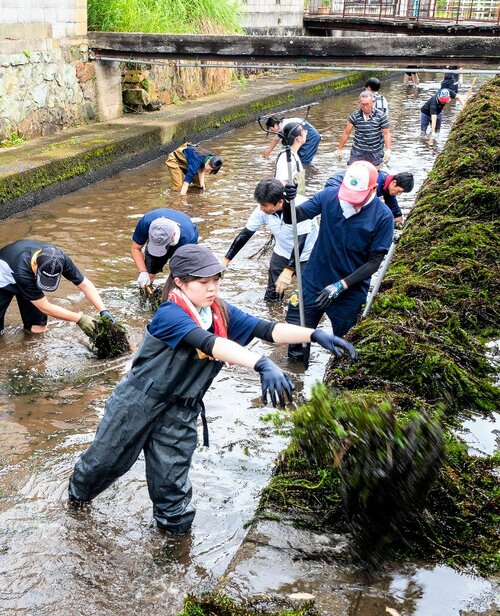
439, 10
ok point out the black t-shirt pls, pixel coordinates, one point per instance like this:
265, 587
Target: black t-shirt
433, 106
15, 268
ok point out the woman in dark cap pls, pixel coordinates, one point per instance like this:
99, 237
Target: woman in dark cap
155, 408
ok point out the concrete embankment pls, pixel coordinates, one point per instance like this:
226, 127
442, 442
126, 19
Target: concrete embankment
46, 167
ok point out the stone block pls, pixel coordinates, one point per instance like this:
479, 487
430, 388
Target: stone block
136, 97
85, 71
109, 90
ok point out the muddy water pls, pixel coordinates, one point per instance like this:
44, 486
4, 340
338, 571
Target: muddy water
111, 559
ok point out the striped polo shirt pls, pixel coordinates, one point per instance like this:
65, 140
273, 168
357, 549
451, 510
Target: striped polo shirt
368, 135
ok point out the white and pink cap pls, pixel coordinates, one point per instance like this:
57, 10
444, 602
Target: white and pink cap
359, 181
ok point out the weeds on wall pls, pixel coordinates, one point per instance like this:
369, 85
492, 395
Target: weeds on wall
165, 16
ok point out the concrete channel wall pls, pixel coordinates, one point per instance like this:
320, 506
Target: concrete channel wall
46, 167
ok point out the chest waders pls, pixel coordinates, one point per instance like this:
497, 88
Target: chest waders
153, 409
177, 165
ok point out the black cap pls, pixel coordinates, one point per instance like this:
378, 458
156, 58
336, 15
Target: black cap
215, 163
194, 260
50, 265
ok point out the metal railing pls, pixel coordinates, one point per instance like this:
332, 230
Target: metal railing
433, 10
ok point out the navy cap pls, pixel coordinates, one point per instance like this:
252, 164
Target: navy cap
50, 265
194, 260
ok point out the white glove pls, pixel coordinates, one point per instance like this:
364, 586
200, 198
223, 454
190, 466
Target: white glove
143, 279
284, 280
339, 153
387, 156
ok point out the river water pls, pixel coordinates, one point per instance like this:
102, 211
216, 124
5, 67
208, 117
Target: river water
111, 559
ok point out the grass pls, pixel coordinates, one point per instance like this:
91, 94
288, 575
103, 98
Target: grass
165, 16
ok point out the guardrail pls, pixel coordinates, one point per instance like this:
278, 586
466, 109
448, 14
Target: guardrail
412, 10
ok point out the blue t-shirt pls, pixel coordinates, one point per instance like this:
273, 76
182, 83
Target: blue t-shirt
195, 162
171, 323
344, 244
189, 231
392, 203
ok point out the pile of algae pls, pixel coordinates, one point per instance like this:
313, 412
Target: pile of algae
217, 604
374, 453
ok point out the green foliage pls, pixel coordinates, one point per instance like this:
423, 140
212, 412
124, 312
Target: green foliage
165, 16
109, 339
217, 604
13, 141
461, 521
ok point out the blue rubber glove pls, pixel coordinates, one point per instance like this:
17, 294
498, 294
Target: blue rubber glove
332, 343
274, 381
107, 313
290, 192
329, 293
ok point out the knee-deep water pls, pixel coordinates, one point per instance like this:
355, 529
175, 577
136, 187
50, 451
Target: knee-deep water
110, 558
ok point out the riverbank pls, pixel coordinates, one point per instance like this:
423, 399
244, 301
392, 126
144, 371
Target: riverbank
50, 166
422, 350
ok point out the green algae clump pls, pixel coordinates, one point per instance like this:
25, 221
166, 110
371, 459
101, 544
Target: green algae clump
422, 368
218, 604
109, 339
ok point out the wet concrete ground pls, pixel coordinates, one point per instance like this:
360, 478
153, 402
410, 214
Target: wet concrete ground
111, 559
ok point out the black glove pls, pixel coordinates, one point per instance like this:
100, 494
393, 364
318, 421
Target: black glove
333, 343
290, 192
107, 313
274, 381
328, 294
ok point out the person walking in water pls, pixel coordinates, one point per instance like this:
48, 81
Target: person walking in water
371, 133
307, 150
431, 111
157, 235
155, 407
355, 233
270, 196
189, 164
295, 135
28, 270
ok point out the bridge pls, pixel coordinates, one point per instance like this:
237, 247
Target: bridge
374, 50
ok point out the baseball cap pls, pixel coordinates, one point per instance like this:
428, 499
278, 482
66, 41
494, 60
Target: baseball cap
50, 265
194, 260
161, 234
444, 95
358, 183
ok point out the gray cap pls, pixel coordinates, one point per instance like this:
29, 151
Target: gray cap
194, 260
161, 234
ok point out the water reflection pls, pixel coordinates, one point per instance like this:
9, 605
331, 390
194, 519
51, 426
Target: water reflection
111, 559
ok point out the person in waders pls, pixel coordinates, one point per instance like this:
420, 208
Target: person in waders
155, 407
295, 135
189, 164
29, 269
269, 195
307, 150
157, 235
431, 111
371, 133
355, 233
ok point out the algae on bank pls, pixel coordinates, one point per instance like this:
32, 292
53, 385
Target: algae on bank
421, 351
